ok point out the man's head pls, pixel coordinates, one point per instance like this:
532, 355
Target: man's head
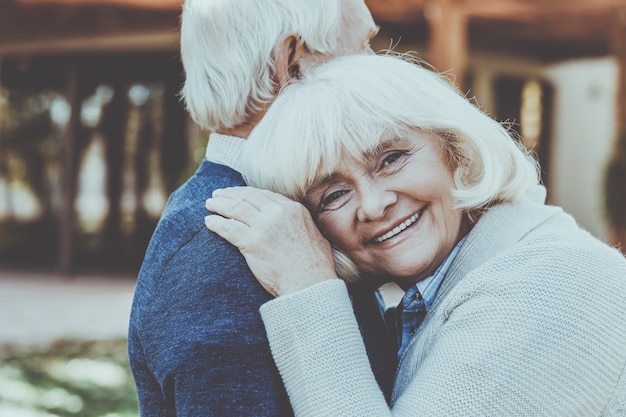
238, 54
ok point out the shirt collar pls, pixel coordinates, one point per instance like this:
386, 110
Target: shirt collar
225, 150
428, 287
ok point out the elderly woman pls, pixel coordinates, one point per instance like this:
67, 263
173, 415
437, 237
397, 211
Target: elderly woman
510, 308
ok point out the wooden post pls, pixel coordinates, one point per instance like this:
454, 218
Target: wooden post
616, 232
3, 167
70, 169
2, 106
448, 38
114, 125
4, 174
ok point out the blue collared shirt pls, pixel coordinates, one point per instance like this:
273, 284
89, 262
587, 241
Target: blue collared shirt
417, 301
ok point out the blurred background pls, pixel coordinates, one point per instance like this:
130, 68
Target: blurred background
93, 139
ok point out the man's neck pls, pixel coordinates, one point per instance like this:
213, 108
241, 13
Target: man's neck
243, 130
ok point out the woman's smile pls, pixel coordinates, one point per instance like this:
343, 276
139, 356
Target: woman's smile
406, 224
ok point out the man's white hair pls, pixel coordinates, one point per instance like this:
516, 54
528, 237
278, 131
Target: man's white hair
226, 49
346, 106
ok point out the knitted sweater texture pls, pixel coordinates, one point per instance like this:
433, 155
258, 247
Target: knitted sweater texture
530, 321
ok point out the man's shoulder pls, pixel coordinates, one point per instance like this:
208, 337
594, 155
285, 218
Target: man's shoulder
188, 270
181, 235
184, 213
207, 178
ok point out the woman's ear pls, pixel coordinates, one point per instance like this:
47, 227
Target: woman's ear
288, 54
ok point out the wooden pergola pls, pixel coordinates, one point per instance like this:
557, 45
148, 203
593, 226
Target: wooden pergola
80, 30
542, 29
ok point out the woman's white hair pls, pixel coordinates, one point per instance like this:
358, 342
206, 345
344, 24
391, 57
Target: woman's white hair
346, 106
226, 50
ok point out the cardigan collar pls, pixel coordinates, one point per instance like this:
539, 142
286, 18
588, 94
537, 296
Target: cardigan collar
500, 227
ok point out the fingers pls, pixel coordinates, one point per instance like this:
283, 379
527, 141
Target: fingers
245, 204
231, 230
235, 210
238, 209
251, 194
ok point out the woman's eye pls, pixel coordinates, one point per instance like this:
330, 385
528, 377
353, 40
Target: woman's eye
390, 158
332, 200
332, 197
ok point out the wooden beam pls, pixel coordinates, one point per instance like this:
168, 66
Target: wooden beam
397, 11
510, 9
448, 40
145, 4
547, 28
533, 8
65, 23
558, 12
159, 40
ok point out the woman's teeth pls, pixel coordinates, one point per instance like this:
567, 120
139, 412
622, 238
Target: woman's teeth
396, 230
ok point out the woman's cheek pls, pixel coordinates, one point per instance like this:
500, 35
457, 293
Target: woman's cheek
331, 228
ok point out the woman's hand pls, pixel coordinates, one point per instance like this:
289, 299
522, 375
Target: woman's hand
277, 236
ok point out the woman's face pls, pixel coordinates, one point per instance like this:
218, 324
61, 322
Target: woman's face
391, 212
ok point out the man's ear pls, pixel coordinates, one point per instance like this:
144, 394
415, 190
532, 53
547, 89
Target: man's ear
288, 54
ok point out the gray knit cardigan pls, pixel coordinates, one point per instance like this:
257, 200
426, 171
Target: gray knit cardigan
530, 321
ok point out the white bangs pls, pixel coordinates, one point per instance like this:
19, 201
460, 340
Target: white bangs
327, 113
344, 108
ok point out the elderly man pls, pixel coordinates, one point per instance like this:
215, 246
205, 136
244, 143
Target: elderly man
197, 345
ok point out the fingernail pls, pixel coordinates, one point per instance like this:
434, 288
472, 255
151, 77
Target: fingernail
208, 221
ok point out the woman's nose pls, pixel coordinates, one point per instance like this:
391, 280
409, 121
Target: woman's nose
374, 201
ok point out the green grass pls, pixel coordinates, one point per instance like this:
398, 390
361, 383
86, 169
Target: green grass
67, 379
